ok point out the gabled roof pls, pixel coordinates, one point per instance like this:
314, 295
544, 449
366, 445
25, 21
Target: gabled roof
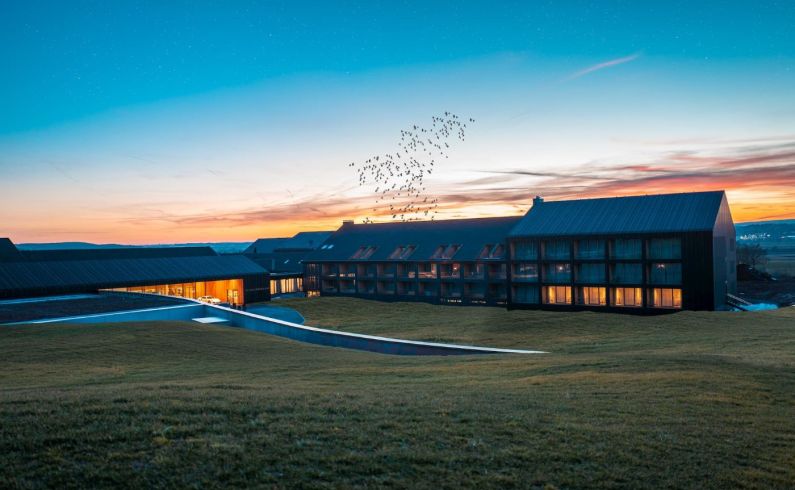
426, 236
8, 251
117, 253
661, 213
264, 245
286, 261
18, 277
305, 240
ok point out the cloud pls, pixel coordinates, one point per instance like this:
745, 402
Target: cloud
761, 177
602, 66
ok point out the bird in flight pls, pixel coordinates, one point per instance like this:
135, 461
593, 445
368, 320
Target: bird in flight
399, 176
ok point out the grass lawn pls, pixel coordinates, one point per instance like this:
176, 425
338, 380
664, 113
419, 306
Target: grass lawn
699, 400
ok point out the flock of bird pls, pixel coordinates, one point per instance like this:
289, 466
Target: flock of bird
398, 178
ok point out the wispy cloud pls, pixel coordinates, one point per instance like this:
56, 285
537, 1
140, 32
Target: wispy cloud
602, 66
764, 175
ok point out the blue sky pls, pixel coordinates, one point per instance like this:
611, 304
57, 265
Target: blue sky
229, 120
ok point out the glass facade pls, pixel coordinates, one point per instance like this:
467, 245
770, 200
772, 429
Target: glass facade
227, 290
525, 272
626, 273
665, 273
665, 248
525, 294
590, 249
626, 249
558, 272
620, 272
525, 251
591, 273
557, 249
286, 285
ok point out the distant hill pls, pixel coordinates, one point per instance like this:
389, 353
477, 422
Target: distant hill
220, 247
767, 231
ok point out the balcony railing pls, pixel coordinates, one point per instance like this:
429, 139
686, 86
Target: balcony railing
474, 275
427, 274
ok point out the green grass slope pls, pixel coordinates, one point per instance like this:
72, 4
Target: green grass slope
699, 400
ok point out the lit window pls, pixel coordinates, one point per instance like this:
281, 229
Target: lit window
594, 296
627, 297
666, 298
557, 295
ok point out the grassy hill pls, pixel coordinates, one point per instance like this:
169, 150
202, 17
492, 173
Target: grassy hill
699, 400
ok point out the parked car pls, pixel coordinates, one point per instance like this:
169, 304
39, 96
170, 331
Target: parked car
210, 299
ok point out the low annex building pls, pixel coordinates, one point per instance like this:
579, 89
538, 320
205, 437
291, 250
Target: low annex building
283, 258
189, 272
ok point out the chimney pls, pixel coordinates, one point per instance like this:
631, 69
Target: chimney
347, 222
537, 200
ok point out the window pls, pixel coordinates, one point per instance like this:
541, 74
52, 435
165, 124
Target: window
557, 295
525, 272
591, 273
626, 274
364, 252
497, 252
557, 272
427, 271
450, 251
557, 249
666, 298
451, 270
627, 249
665, 248
484, 253
525, 251
665, 273
590, 249
627, 297
445, 251
593, 296
525, 294
402, 252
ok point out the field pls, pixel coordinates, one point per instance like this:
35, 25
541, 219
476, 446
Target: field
693, 400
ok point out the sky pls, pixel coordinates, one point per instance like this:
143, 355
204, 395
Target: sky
170, 121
